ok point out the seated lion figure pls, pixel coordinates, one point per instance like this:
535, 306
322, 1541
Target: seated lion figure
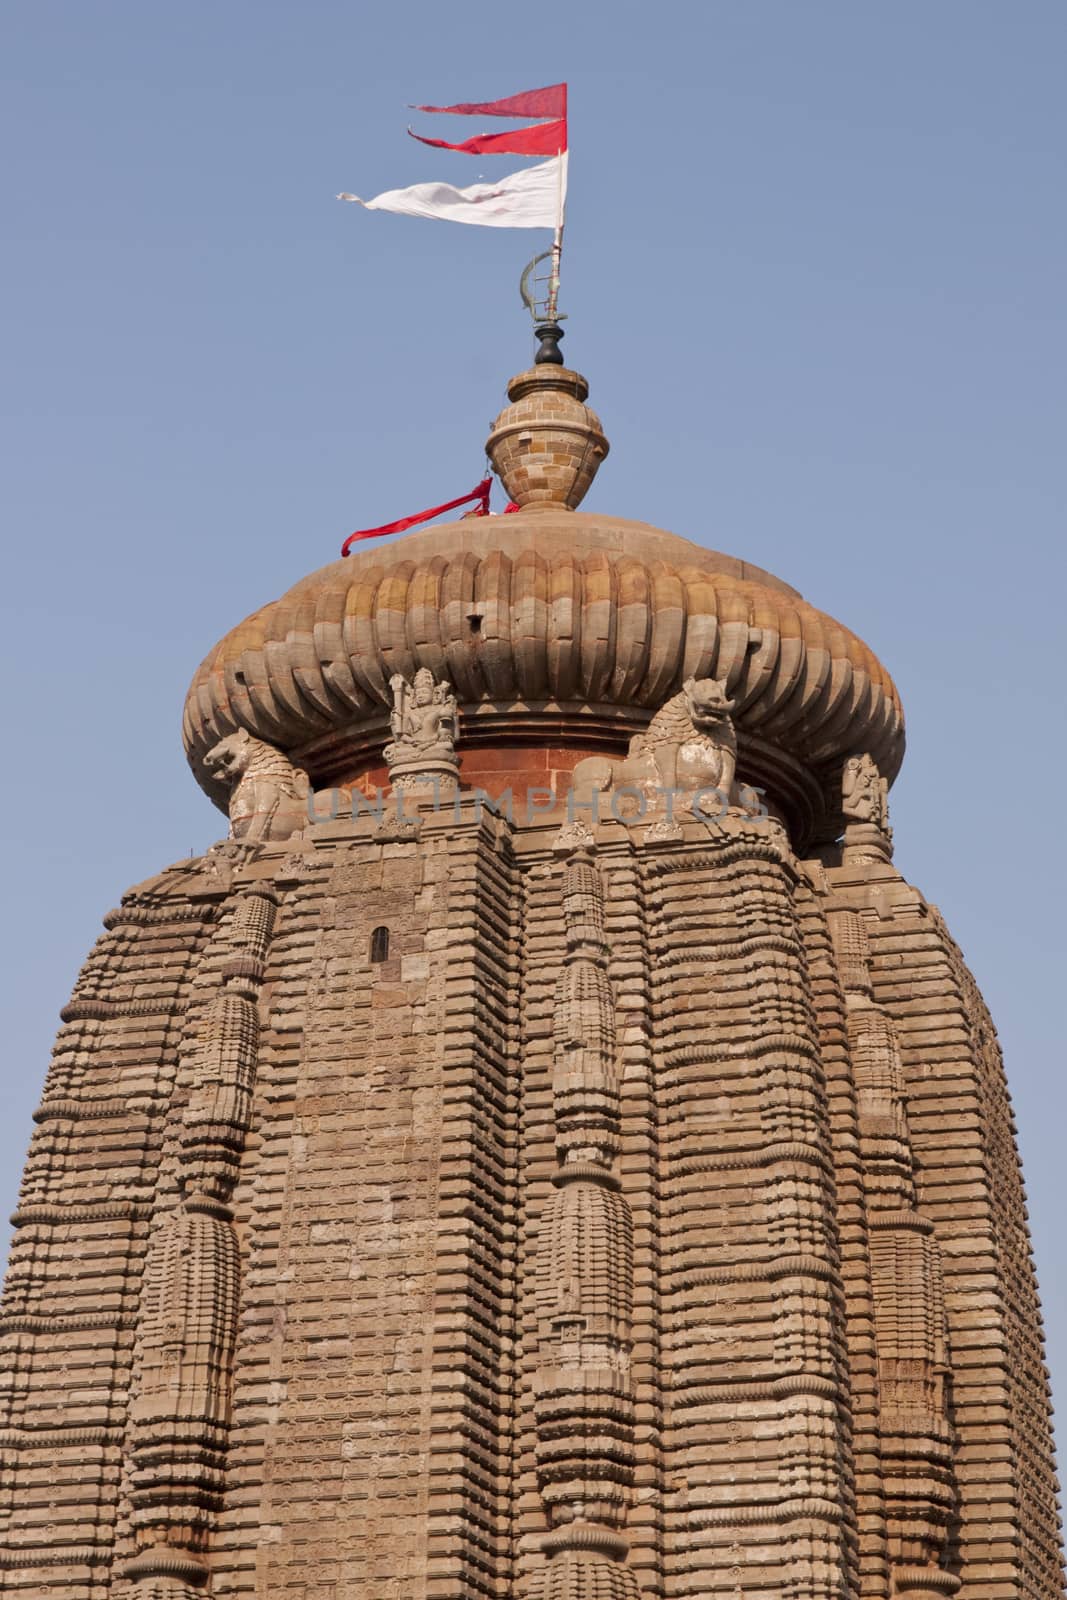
268, 794
689, 745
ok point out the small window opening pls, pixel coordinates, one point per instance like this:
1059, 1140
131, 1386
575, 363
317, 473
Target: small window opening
379, 944
240, 678
476, 624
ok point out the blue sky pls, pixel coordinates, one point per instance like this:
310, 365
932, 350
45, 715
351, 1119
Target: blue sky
815, 271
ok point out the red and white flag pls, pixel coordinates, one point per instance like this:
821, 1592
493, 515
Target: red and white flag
534, 197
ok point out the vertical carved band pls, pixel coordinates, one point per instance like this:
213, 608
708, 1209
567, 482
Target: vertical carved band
188, 1315
584, 1405
758, 1436
906, 1280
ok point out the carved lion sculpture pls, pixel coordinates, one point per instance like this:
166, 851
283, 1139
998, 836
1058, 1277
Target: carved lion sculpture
689, 745
268, 794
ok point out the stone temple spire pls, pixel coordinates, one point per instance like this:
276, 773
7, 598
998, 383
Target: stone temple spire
608, 1193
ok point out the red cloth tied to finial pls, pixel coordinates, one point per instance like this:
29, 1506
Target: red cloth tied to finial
480, 493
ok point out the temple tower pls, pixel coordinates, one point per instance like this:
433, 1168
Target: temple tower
548, 1150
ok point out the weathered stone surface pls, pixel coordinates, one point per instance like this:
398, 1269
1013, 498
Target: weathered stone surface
547, 444
556, 630
466, 1205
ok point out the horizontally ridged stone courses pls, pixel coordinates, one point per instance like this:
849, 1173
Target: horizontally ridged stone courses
757, 1440
861, 1356
907, 1284
275, 1141
388, 1421
961, 1129
71, 1294
448, 1203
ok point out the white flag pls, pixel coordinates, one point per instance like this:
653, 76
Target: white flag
532, 198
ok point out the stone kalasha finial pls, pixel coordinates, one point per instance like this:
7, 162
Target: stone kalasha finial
424, 721
865, 803
547, 445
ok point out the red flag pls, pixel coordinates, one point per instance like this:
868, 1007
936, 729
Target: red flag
550, 102
481, 494
544, 139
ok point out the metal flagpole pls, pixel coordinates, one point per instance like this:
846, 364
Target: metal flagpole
557, 252
546, 313
557, 243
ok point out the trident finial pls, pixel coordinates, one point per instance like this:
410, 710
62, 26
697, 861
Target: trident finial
543, 307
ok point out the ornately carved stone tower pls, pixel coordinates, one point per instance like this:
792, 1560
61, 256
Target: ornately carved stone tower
467, 1205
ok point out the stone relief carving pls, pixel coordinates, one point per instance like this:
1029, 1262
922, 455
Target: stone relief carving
689, 746
917, 1439
865, 803
268, 794
864, 792
583, 1390
573, 835
294, 865
187, 1323
424, 722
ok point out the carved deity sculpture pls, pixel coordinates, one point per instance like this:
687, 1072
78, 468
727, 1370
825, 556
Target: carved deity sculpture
864, 792
688, 749
864, 801
268, 794
424, 721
